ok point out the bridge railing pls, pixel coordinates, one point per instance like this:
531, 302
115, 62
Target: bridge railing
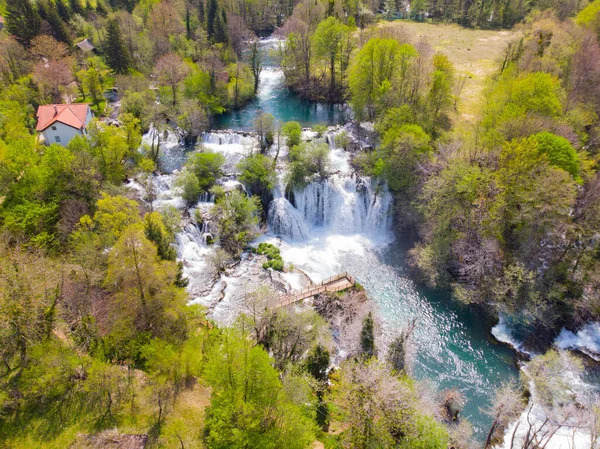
325, 282
316, 288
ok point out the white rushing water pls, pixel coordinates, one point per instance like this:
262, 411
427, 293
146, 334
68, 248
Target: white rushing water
339, 224
504, 333
343, 223
586, 340
563, 426
564, 421
171, 147
233, 146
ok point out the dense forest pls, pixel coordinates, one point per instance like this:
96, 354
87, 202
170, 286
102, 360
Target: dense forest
96, 329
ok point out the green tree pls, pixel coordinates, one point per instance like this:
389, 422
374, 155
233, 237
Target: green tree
147, 299
51, 15
258, 175
402, 149
22, 20
211, 17
93, 81
559, 151
376, 63
289, 335
140, 105
256, 63
589, 17
381, 409
249, 407
292, 131
29, 292
263, 125
115, 50
171, 70
156, 231
317, 362
367, 337
307, 160
328, 42
111, 148
236, 219
190, 186
536, 197
207, 167
113, 215
439, 97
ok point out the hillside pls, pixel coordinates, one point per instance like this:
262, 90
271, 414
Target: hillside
475, 53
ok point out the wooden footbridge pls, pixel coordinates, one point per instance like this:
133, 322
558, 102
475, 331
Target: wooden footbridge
334, 284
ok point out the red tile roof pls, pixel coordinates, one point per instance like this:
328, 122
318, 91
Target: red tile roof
73, 115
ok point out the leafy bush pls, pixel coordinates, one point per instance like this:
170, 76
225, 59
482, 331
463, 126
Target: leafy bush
258, 175
274, 259
320, 129
559, 151
236, 219
308, 159
190, 185
342, 140
293, 132
207, 168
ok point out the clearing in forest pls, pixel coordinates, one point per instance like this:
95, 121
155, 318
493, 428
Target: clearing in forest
476, 53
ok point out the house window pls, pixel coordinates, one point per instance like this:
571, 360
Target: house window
57, 139
54, 128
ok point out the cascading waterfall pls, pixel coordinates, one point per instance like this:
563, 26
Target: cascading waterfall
233, 146
343, 204
172, 151
285, 220
346, 204
228, 138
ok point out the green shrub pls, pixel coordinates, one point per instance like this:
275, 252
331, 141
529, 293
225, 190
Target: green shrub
320, 129
559, 151
293, 132
274, 259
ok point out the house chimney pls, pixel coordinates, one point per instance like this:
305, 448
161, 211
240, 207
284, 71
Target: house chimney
55, 111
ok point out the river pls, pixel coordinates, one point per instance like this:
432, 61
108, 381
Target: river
453, 345
345, 224
275, 98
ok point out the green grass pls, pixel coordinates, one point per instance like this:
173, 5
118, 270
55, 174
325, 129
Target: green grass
184, 419
475, 53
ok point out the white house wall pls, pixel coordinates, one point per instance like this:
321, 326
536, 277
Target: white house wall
64, 132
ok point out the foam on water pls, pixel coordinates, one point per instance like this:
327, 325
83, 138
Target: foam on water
285, 219
555, 428
344, 224
233, 146
172, 151
339, 158
504, 333
587, 340
166, 192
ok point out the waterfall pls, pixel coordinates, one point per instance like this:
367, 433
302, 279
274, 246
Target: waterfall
286, 220
340, 204
233, 146
346, 205
228, 138
586, 340
172, 151
192, 250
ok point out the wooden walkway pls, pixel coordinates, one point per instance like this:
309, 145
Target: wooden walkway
334, 284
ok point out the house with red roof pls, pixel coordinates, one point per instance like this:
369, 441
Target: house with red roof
59, 123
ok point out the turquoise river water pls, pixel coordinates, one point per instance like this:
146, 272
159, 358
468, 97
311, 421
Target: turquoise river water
453, 344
